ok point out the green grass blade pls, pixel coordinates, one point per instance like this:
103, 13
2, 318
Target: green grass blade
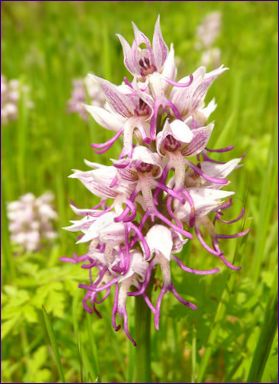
53, 344
92, 347
7, 256
267, 334
269, 187
194, 355
220, 313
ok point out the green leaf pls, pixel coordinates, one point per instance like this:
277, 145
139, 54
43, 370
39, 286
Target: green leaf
30, 313
53, 344
8, 325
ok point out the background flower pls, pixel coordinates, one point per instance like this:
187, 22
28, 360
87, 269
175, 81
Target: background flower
31, 221
206, 35
11, 93
85, 91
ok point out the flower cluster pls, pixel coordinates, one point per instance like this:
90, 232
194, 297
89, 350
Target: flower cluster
10, 96
84, 90
163, 190
207, 33
31, 220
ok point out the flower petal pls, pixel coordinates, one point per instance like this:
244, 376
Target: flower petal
182, 97
159, 46
199, 142
128, 55
169, 68
205, 200
220, 170
159, 240
96, 228
106, 119
202, 88
144, 154
80, 225
181, 131
120, 102
140, 37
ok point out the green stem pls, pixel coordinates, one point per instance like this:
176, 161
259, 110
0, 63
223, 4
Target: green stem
143, 356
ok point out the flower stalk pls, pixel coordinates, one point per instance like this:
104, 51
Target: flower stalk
143, 337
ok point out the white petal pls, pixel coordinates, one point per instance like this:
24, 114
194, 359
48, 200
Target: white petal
169, 68
204, 199
209, 109
80, 225
138, 266
181, 131
216, 72
106, 119
146, 156
114, 232
96, 227
220, 170
159, 240
92, 165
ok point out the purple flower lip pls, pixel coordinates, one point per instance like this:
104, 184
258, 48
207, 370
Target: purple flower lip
180, 85
219, 218
164, 290
195, 271
214, 180
102, 148
234, 236
225, 149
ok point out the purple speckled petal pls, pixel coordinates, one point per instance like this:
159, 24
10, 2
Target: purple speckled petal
160, 48
119, 101
128, 55
199, 141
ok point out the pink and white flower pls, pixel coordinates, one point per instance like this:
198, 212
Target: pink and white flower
163, 190
84, 90
11, 93
31, 221
207, 33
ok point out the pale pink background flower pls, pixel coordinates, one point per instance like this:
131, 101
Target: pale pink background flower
31, 221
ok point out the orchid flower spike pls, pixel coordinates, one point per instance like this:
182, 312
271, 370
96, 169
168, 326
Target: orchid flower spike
162, 191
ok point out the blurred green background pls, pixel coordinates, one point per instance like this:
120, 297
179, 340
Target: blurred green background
46, 45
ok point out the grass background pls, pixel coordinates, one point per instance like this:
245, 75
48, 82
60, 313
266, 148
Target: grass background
46, 335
